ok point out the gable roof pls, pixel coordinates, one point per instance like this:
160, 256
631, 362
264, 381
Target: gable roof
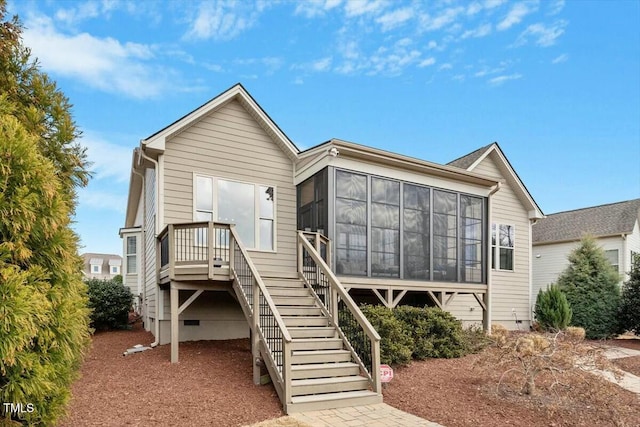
470, 161
236, 92
467, 160
599, 221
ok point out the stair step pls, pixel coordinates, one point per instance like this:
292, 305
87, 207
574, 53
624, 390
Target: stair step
306, 300
275, 275
289, 292
328, 385
301, 357
305, 321
294, 310
313, 332
283, 283
316, 344
317, 402
324, 370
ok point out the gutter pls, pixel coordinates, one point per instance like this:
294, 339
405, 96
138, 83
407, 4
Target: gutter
157, 185
487, 325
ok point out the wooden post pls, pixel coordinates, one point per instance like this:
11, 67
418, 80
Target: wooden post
210, 250
174, 323
375, 368
232, 251
286, 371
255, 325
171, 252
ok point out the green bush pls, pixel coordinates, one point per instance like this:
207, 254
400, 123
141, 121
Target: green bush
110, 303
630, 304
435, 333
395, 341
475, 339
591, 285
552, 310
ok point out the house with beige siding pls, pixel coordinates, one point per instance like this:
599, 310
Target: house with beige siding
615, 226
241, 234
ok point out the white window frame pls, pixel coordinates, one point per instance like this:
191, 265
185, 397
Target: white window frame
615, 265
495, 249
131, 255
257, 214
96, 269
115, 269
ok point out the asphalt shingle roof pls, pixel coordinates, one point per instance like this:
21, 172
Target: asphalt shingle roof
604, 220
467, 160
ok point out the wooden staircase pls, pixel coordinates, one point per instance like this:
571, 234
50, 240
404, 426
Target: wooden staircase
323, 374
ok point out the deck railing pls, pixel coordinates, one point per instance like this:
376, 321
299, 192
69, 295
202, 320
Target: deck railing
357, 333
194, 244
266, 324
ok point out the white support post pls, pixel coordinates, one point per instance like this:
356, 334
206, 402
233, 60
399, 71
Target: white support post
174, 323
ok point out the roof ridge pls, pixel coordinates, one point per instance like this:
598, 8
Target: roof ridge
593, 207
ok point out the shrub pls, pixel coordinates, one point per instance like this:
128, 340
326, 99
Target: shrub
552, 310
395, 341
590, 284
435, 333
630, 304
475, 339
110, 303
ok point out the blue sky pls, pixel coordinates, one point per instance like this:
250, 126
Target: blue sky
556, 83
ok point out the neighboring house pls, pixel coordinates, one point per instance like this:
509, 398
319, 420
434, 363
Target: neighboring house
216, 200
101, 266
616, 227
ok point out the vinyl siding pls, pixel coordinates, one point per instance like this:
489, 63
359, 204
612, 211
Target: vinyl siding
150, 286
228, 143
552, 259
633, 245
510, 289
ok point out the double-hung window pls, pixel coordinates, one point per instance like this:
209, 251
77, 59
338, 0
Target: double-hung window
612, 257
251, 207
502, 245
132, 249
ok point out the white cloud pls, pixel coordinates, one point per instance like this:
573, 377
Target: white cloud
555, 7
497, 81
559, 59
314, 8
394, 19
515, 16
491, 4
481, 31
103, 200
445, 66
298, 81
223, 19
544, 36
103, 63
322, 64
110, 161
446, 17
474, 8
427, 62
362, 7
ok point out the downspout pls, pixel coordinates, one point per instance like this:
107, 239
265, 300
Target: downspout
487, 322
142, 276
156, 228
532, 222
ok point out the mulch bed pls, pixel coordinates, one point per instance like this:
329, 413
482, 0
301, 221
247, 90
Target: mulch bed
454, 392
211, 386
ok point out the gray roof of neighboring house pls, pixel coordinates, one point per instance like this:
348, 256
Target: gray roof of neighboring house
467, 160
604, 220
102, 259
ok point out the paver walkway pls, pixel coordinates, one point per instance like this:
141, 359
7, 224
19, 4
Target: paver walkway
627, 380
378, 415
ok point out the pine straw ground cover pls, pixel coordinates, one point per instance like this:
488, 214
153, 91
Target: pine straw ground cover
212, 386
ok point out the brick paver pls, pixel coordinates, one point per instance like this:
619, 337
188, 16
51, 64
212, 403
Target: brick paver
381, 415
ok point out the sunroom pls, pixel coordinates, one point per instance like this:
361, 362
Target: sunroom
402, 230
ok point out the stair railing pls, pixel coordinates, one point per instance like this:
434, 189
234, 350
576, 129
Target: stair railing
267, 326
353, 327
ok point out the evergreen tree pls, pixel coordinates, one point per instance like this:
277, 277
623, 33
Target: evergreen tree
552, 309
43, 304
630, 305
591, 285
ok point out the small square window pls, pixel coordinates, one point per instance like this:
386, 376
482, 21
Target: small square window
95, 269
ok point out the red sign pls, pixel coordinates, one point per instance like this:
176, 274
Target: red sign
386, 373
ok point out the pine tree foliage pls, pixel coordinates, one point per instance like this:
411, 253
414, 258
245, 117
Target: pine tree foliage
44, 327
590, 283
552, 310
630, 305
